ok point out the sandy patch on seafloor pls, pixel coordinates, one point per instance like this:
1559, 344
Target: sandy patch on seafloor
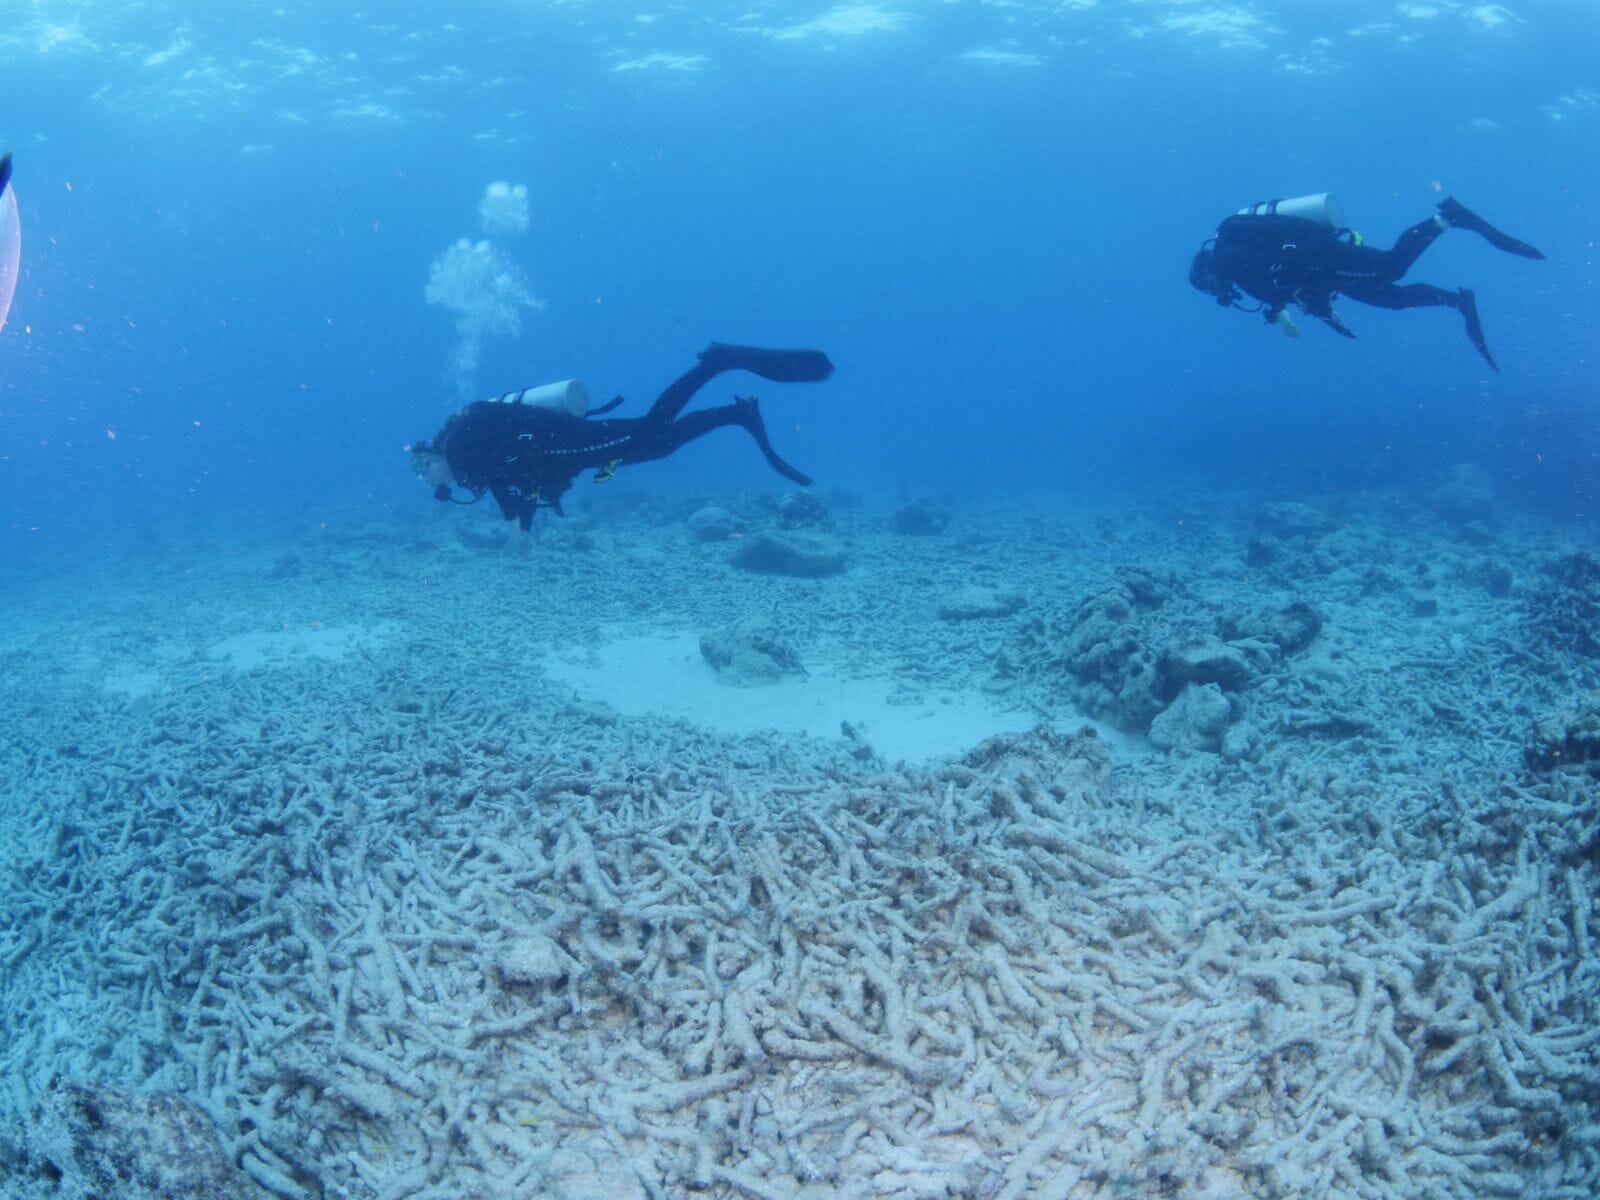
278, 648
665, 675
130, 682
137, 679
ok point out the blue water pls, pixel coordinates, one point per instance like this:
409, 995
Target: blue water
983, 212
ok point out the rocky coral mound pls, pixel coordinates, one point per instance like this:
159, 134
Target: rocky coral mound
1136, 661
920, 518
1569, 735
750, 653
976, 603
802, 553
87, 1142
713, 523
1564, 605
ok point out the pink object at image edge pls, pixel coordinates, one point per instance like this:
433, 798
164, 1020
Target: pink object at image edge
10, 251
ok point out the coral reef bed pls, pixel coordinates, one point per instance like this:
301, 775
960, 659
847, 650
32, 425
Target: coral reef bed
397, 917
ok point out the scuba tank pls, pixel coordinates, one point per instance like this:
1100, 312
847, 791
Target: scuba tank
1322, 207
568, 395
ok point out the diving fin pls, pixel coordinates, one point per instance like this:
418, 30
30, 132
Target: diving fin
1321, 307
5, 172
750, 417
1336, 323
780, 366
1461, 217
1468, 304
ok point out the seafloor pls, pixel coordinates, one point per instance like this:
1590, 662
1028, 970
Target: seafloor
1191, 849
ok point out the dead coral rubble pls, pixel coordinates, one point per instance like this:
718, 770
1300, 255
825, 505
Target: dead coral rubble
596, 977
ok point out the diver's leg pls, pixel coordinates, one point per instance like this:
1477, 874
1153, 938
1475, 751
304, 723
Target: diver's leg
653, 440
1403, 295
1425, 295
648, 445
782, 366
680, 391
1459, 216
1408, 247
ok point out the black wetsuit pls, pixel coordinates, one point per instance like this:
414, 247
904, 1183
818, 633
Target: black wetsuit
1281, 260
527, 456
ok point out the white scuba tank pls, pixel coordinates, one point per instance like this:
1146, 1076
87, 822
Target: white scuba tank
567, 395
1322, 207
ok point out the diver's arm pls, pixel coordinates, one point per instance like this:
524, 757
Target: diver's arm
510, 499
1281, 318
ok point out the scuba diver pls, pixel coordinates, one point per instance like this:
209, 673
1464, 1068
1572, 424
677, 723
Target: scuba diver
526, 453
1300, 251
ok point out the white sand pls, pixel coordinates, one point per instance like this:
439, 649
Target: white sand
281, 647
665, 675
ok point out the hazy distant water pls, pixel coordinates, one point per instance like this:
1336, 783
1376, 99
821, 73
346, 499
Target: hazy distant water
984, 212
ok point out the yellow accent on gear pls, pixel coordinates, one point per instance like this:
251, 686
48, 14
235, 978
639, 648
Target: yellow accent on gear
606, 473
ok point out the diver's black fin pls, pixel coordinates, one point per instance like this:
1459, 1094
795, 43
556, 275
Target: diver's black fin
750, 418
1462, 217
780, 366
5, 172
1335, 322
1468, 304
